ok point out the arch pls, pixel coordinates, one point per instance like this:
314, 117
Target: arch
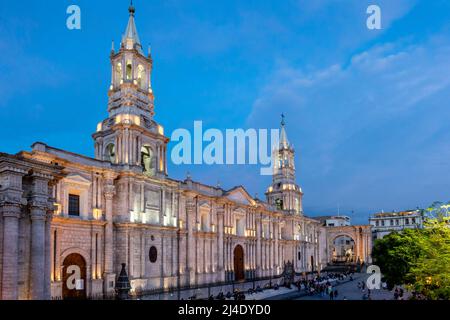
110, 152
74, 276
148, 160
344, 249
119, 73
239, 271
129, 70
360, 234
141, 76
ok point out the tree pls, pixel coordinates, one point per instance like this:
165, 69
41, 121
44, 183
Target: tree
430, 272
419, 258
395, 253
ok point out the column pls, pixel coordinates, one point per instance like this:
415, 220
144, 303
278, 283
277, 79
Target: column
48, 255
37, 267
191, 225
220, 217
276, 235
258, 248
109, 276
11, 214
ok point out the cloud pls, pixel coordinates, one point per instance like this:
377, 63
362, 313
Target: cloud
368, 133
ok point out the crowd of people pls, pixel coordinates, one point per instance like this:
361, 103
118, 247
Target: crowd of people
323, 285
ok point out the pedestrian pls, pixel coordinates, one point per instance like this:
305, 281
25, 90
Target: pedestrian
335, 293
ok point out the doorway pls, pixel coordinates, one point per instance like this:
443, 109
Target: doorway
239, 263
74, 277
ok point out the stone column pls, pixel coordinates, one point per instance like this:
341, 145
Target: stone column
258, 247
48, 255
191, 227
109, 276
37, 268
11, 214
276, 235
39, 238
220, 240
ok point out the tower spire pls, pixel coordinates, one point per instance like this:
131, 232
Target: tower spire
284, 143
131, 37
131, 8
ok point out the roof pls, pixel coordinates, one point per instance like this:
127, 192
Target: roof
395, 214
131, 31
284, 143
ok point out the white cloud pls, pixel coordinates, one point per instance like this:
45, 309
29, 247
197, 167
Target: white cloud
366, 126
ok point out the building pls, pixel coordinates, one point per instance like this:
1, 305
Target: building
68, 222
346, 243
334, 221
384, 223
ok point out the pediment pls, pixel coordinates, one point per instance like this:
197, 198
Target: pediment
78, 179
205, 205
241, 196
240, 211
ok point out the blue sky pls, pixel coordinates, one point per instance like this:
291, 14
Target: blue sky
368, 111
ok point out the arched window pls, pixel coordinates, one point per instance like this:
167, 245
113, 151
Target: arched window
119, 73
129, 70
110, 152
147, 160
279, 204
141, 76
153, 254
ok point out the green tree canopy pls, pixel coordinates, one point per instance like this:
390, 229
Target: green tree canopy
419, 258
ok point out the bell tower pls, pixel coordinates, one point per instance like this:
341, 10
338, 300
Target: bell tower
284, 193
129, 136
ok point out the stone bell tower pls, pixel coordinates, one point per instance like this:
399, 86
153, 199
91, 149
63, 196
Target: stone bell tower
129, 136
284, 193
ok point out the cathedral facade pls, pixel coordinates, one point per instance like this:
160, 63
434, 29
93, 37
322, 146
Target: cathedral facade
68, 222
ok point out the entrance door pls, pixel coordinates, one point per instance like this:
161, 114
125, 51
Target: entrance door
239, 263
74, 277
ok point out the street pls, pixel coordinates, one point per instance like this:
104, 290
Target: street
349, 291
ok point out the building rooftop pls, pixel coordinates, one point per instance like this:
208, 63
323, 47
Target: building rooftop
397, 214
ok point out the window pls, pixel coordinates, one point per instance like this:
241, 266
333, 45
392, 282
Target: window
110, 153
153, 254
377, 223
74, 205
299, 255
391, 222
119, 74
141, 76
407, 221
413, 220
382, 223
279, 204
148, 160
129, 70
396, 222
